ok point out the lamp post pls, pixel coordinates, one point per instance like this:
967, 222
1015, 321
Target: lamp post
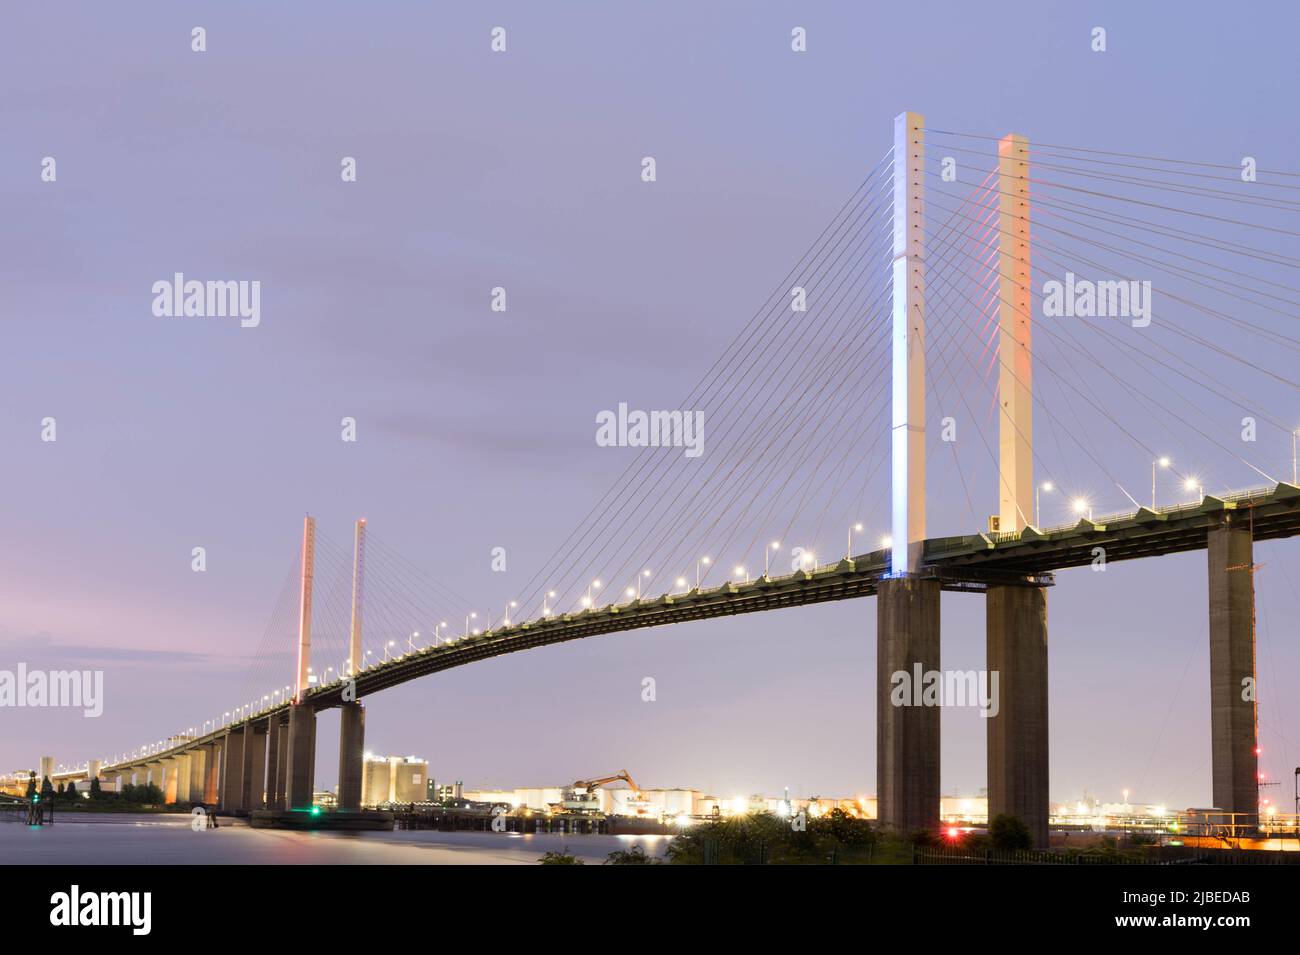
705, 561
1192, 484
767, 552
546, 603
473, 615
1083, 506
848, 554
1038, 511
506, 618
742, 572
588, 600
1164, 463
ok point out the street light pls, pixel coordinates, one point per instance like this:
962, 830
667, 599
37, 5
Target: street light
1083, 506
848, 554
742, 572
546, 603
1164, 463
681, 582
473, 615
507, 615
1045, 486
587, 601
886, 542
1193, 484
705, 561
767, 552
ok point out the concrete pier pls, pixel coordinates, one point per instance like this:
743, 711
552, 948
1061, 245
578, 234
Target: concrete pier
197, 778
1232, 666
252, 788
274, 792
232, 770
301, 757
352, 745
907, 736
213, 755
1016, 619
182, 766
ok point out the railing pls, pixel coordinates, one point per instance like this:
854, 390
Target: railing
1232, 497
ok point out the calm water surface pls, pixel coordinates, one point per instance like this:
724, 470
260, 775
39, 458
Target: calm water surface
129, 839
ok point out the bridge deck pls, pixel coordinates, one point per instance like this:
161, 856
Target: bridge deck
970, 562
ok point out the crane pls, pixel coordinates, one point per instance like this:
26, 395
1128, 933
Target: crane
591, 785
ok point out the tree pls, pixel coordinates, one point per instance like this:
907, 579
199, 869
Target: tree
70, 791
1008, 833
47, 788
95, 791
60, 789
31, 787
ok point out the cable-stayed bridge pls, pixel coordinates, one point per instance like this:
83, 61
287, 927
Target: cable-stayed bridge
1129, 311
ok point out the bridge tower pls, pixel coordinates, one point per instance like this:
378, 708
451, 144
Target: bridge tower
907, 602
300, 771
1016, 613
352, 721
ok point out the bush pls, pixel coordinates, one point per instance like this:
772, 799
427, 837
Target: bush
1008, 833
559, 858
634, 856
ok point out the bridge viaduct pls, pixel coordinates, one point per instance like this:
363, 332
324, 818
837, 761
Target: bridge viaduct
268, 758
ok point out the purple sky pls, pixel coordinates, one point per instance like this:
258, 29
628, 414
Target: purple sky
476, 428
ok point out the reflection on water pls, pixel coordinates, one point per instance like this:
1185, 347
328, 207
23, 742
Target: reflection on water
123, 838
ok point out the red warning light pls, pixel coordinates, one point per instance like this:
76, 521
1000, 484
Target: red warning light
953, 832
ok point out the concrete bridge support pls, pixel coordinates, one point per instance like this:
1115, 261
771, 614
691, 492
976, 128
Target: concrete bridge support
300, 771
197, 776
213, 756
1232, 666
352, 745
253, 781
182, 766
907, 734
232, 770
1016, 620
274, 762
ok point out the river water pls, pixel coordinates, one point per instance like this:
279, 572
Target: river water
131, 839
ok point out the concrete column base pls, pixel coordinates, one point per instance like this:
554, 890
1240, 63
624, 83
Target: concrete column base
301, 757
907, 735
1017, 735
212, 759
232, 770
254, 775
1232, 668
274, 797
352, 745
183, 778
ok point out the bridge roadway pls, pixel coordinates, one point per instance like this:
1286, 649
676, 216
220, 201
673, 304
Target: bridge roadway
971, 562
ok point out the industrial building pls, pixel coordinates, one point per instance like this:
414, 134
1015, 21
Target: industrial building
393, 779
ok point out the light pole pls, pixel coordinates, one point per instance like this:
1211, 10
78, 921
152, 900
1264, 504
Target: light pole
1164, 463
848, 554
681, 582
742, 572
473, 615
386, 646
410, 642
1045, 486
507, 615
705, 561
437, 632
1192, 484
767, 552
546, 603
1083, 506
1294, 480
588, 600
